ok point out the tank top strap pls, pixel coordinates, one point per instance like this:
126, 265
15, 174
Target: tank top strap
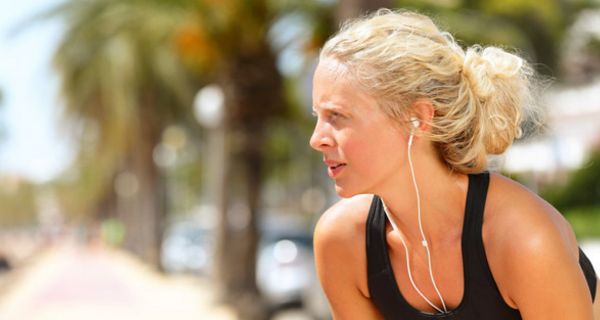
475, 206
381, 282
375, 239
478, 275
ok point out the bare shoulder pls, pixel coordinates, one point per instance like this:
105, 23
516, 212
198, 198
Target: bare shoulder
340, 258
339, 240
532, 252
516, 216
345, 220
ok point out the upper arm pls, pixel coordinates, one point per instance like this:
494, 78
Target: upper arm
340, 262
539, 259
534, 255
548, 282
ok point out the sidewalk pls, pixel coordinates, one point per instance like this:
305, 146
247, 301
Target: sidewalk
70, 282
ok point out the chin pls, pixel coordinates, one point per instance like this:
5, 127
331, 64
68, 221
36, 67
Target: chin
345, 192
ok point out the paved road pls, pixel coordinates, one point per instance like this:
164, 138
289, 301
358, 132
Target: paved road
70, 282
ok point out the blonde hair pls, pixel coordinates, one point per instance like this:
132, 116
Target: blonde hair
479, 95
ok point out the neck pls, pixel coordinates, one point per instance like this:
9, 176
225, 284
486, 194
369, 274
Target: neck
442, 200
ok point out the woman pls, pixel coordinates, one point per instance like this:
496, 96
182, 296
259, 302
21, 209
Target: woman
405, 121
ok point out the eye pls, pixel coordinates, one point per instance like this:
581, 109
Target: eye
333, 115
329, 116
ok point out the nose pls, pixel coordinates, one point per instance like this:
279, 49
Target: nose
321, 138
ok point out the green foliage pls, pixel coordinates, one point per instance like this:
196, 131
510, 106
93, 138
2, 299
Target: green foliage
582, 190
122, 82
593, 45
585, 221
535, 27
185, 181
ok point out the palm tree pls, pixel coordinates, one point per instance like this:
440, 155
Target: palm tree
119, 77
228, 42
231, 41
122, 84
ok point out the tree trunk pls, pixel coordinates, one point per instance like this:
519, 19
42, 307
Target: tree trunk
252, 88
142, 207
348, 9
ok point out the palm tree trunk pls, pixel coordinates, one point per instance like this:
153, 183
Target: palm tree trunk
144, 210
348, 9
252, 88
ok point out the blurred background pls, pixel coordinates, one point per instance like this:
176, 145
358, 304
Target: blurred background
154, 158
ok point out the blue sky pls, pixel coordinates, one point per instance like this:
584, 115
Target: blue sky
32, 145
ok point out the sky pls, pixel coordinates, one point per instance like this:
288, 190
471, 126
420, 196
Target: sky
31, 146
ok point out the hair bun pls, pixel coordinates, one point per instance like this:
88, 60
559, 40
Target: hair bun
483, 67
500, 84
502, 63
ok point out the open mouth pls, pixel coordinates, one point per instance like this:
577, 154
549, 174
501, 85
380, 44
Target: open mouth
335, 169
337, 166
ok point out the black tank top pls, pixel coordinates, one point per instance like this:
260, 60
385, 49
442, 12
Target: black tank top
481, 298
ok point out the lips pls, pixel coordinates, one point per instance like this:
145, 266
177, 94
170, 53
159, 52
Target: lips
334, 167
333, 163
338, 165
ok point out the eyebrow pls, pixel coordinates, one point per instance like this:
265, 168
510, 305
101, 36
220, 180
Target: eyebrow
332, 107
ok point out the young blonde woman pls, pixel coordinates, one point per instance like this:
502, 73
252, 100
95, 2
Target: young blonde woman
405, 121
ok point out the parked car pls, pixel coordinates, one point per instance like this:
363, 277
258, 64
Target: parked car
285, 272
285, 268
187, 248
286, 275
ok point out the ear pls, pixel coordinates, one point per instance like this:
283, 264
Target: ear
423, 110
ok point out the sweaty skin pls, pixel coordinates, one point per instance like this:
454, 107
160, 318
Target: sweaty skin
531, 249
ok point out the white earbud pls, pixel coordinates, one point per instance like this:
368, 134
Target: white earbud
415, 124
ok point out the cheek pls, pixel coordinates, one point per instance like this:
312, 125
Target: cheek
376, 151
364, 152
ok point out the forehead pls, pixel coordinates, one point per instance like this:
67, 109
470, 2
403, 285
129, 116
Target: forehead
331, 67
334, 84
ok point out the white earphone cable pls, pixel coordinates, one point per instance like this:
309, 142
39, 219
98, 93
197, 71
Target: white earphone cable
408, 263
423, 241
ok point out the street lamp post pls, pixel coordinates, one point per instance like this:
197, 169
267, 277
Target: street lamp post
209, 109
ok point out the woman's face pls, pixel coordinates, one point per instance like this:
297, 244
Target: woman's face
362, 147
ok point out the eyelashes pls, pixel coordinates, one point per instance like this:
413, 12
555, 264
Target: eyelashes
335, 115
330, 116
